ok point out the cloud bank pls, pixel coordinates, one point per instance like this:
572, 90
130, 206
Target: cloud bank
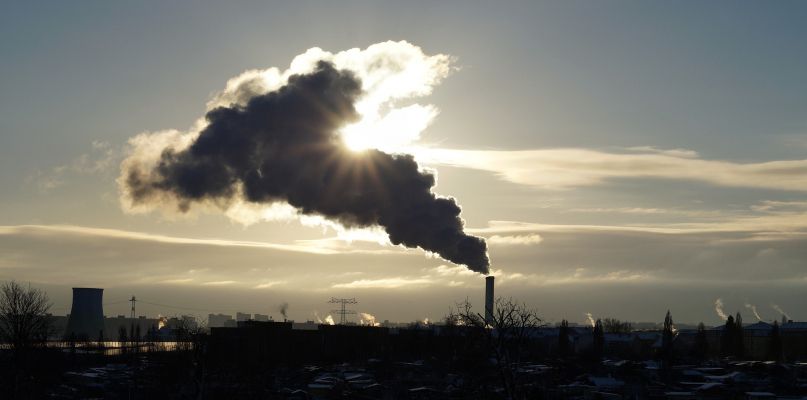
684, 271
562, 168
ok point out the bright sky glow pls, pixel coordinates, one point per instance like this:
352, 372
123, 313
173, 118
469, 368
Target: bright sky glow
392, 132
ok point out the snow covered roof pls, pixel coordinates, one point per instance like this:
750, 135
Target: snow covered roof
577, 330
793, 326
648, 335
613, 337
733, 375
707, 386
759, 326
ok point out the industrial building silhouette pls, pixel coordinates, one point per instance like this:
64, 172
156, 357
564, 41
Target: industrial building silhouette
86, 314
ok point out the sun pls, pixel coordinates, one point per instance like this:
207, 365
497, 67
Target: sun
390, 134
362, 136
356, 138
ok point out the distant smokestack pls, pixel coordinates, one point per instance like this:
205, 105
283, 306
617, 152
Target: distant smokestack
489, 300
87, 314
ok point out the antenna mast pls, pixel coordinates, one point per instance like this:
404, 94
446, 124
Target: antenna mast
343, 312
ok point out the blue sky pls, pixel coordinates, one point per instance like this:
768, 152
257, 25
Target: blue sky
677, 106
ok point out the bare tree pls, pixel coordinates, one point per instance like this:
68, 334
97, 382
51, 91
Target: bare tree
134, 338
613, 325
506, 338
25, 326
191, 347
123, 337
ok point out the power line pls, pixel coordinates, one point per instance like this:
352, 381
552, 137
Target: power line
343, 312
106, 304
165, 305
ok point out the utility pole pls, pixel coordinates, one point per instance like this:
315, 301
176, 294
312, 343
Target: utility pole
343, 311
133, 300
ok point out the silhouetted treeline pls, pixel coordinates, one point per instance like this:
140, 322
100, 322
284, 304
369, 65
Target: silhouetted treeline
514, 356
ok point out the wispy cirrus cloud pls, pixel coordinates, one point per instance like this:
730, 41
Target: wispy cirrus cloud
497, 227
569, 167
269, 284
174, 281
766, 221
680, 153
576, 276
525, 240
384, 283
623, 275
770, 205
121, 234
648, 211
216, 283
104, 258
445, 270
100, 161
45, 182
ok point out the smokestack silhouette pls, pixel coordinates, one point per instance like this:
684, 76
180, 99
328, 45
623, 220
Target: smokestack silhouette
489, 300
86, 314
284, 146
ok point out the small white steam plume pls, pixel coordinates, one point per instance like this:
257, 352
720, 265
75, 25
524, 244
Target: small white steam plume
777, 308
425, 321
719, 309
368, 319
316, 315
329, 320
754, 310
590, 319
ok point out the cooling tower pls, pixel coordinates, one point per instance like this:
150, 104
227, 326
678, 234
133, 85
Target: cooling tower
87, 314
489, 300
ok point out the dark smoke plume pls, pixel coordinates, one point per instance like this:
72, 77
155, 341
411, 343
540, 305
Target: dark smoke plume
282, 308
283, 146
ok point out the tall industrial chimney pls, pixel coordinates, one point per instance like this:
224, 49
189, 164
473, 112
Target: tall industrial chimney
87, 314
489, 300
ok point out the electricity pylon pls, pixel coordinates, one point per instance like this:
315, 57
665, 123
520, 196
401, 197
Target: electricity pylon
343, 311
